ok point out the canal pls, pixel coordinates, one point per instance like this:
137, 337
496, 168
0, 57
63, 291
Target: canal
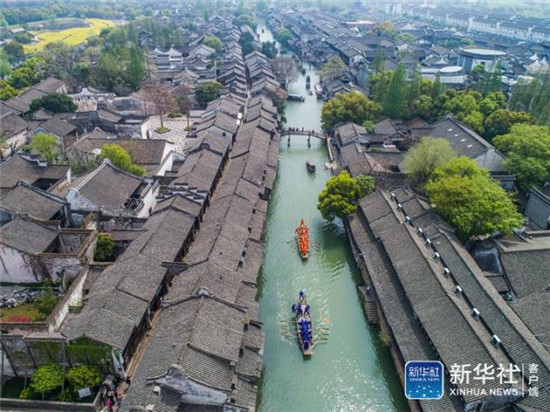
351, 369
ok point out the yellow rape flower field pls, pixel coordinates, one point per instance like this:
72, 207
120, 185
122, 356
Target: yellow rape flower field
72, 37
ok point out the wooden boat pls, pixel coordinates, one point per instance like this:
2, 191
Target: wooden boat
303, 239
310, 166
304, 325
308, 82
318, 91
296, 98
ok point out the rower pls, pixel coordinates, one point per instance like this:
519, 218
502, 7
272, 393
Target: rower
293, 307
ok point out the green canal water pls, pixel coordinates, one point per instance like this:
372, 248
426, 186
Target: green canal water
351, 369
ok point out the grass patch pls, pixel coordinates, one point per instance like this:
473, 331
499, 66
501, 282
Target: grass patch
162, 129
25, 313
71, 37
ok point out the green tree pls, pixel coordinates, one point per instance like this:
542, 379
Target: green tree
378, 85
214, 42
14, 51
22, 77
338, 197
208, 91
5, 66
395, 101
105, 248
46, 145
6, 90
245, 19
333, 68
501, 121
366, 183
46, 302
422, 160
528, 154
84, 376
437, 87
348, 107
120, 158
46, 378
54, 102
466, 196
246, 42
379, 60
475, 121
284, 35
269, 48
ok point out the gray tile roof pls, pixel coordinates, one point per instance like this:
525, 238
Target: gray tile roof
19, 167
58, 127
107, 186
28, 236
29, 200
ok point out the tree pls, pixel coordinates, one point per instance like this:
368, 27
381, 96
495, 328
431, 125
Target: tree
528, 154
501, 121
378, 85
46, 302
208, 91
385, 29
246, 20
466, 196
6, 90
437, 87
425, 157
379, 60
214, 42
54, 102
338, 197
284, 35
246, 42
333, 68
46, 145
121, 159
105, 248
84, 376
395, 102
14, 51
184, 106
285, 69
5, 67
47, 378
366, 183
163, 102
22, 77
269, 48
348, 107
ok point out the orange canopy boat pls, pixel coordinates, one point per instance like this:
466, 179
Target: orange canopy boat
303, 239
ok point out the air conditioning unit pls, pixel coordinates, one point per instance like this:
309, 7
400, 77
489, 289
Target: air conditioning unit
407, 219
437, 256
495, 340
399, 206
446, 272
475, 314
428, 242
458, 290
420, 231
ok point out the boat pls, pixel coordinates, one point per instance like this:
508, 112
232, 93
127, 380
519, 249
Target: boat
308, 82
304, 325
296, 98
310, 92
319, 91
303, 239
310, 166
303, 70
